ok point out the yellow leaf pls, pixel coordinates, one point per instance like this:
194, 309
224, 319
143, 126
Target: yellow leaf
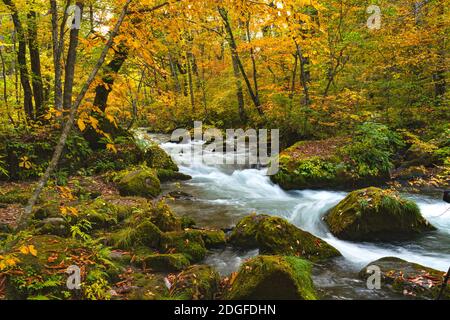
111, 147
32, 250
24, 250
81, 124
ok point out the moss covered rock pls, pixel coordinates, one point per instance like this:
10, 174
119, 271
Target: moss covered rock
273, 278
376, 214
164, 218
157, 158
141, 233
199, 282
102, 213
407, 278
189, 242
213, 238
164, 262
141, 181
274, 235
313, 165
165, 175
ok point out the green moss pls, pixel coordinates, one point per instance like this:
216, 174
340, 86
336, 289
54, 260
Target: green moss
273, 277
213, 238
406, 277
148, 287
187, 222
190, 243
157, 158
139, 182
375, 214
164, 218
196, 283
16, 195
165, 175
164, 262
143, 233
273, 235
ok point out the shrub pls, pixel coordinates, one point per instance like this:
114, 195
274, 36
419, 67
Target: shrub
372, 150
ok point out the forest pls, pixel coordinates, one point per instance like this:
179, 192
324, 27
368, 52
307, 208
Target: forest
98, 201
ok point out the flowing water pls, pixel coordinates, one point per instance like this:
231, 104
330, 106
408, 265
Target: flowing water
221, 195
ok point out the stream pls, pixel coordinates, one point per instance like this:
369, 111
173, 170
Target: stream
222, 195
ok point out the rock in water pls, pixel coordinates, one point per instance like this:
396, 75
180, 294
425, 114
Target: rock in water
408, 278
374, 214
157, 158
447, 196
273, 278
274, 235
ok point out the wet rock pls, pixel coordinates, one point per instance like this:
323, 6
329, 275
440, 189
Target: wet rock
273, 278
446, 196
141, 181
199, 282
407, 278
213, 238
180, 195
274, 235
374, 214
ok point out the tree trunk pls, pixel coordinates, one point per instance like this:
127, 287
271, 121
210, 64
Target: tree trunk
57, 39
252, 56
70, 64
102, 92
439, 77
5, 92
303, 74
191, 82
35, 60
22, 61
239, 92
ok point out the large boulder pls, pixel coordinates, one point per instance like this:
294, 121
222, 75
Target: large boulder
273, 278
141, 181
374, 214
407, 278
199, 282
366, 158
274, 235
313, 165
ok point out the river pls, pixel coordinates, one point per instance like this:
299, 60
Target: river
221, 195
